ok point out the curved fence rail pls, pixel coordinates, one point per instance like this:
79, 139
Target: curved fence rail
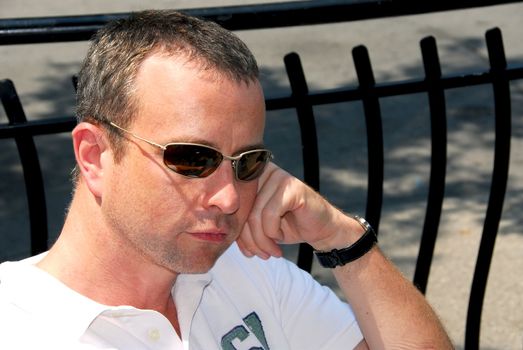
285, 14
368, 92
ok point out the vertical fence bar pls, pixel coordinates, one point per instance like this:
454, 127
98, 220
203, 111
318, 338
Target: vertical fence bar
371, 108
438, 161
31, 169
502, 106
309, 139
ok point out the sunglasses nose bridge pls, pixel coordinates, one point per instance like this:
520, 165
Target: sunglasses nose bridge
234, 161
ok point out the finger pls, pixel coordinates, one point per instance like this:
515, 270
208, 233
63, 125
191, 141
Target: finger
266, 246
242, 240
244, 250
265, 219
266, 188
250, 245
279, 206
283, 195
270, 168
257, 240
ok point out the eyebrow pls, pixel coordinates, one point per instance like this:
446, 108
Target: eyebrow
188, 140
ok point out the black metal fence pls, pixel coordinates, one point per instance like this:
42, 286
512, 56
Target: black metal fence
434, 84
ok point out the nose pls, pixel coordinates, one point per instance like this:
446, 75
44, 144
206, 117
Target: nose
222, 191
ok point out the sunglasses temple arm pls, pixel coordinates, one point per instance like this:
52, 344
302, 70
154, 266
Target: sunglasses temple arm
138, 137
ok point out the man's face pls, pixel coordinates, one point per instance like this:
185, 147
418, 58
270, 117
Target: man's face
179, 223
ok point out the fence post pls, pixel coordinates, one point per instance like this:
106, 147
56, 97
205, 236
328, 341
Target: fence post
31, 169
309, 139
371, 108
438, 161
498, 186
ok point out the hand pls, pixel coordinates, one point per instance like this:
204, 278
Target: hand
288, 211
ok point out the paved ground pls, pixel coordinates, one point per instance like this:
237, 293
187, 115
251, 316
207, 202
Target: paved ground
42, 76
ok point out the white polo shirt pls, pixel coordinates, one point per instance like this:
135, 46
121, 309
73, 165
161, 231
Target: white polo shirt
242, 303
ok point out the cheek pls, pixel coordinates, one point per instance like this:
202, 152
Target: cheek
148, 205
142, 186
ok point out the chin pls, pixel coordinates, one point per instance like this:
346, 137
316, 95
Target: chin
192, 263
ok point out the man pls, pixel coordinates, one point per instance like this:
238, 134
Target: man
173, 184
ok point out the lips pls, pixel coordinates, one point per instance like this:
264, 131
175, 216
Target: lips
217, 237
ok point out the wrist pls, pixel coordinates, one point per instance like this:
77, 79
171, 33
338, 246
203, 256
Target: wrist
352, 251
346, 230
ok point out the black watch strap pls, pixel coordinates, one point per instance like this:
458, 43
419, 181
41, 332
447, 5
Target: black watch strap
340, 257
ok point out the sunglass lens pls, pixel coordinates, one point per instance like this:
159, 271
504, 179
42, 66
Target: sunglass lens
191, 160
251, 164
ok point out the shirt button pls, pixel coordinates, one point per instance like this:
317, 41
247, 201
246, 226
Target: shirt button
117, 313
154, 334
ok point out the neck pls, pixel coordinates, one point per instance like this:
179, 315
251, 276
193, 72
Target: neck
99, 265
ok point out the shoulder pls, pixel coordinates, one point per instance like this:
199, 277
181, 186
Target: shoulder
18, 275
277, 289
277, 278
17, 278
272, 271
14, 316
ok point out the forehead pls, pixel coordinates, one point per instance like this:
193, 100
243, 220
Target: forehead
187, 102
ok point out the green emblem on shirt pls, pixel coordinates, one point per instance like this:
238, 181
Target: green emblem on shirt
254, 325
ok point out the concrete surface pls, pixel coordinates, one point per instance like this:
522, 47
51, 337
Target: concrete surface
42, 76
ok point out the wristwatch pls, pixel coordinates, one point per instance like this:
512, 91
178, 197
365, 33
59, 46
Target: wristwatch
340, 257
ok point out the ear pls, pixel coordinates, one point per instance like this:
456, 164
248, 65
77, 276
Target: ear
90, 144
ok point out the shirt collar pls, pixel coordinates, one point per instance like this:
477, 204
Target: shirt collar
44, 297
61, 309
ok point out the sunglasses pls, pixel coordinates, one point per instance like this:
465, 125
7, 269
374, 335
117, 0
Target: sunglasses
197, 161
